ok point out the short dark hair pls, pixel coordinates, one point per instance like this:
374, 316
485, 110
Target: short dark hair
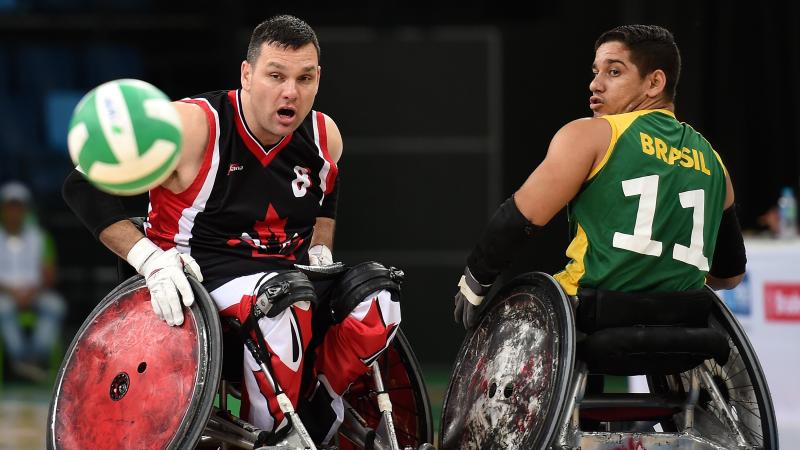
652, 47
286, 31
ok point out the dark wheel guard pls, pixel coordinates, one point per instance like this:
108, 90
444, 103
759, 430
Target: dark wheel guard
131, 381
511, 378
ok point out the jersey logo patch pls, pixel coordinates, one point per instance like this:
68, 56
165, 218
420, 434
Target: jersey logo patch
235, 168
272, 240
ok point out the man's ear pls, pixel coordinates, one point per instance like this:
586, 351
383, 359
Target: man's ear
656, 83
246, 75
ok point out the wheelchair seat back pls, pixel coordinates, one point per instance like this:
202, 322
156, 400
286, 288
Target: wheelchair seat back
646, 333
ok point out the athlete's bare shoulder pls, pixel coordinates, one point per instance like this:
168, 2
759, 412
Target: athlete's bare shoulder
194, 122
588, 137
585, 130
335, 144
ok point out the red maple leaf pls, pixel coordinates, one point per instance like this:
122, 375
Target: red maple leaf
272, 241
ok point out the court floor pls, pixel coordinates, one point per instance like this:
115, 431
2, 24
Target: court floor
23, 411
23, 417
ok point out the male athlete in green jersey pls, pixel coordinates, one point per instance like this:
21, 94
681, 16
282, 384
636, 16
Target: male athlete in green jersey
650, 200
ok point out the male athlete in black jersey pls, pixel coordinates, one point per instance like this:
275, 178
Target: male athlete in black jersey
253, 194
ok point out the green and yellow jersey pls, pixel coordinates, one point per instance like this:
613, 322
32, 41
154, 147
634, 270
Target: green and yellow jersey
647, 217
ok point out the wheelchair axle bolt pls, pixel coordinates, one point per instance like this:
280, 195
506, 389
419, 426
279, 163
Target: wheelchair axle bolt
509, 389
119, 386
492, 389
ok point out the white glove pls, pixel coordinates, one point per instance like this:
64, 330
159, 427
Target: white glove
320, 255
164, 273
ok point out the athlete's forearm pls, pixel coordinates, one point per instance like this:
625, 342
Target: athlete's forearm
120, 236
723, 283
323, 232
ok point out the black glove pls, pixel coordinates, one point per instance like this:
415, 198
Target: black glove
468, 298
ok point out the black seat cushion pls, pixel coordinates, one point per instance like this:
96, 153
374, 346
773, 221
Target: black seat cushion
599, 309
651, 350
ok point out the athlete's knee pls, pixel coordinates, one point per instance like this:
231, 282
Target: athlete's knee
365, 285
383, 303
276, 294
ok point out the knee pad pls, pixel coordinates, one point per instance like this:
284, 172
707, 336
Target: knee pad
282, 291
360, 281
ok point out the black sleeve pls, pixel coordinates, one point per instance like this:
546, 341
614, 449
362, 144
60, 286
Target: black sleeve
729, 254
506, 232
95, 209
329, 203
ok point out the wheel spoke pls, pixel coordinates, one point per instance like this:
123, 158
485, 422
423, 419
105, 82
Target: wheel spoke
737, 356
752, 432
737, 373
753, 412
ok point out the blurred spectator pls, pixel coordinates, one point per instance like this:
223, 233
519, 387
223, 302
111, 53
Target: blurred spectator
27, 274
770, 220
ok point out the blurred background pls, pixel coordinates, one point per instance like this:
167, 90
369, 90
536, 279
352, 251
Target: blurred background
445, 108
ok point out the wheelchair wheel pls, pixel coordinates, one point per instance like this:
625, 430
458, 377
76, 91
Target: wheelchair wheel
411, 409
122, 383
741, 382
510, 381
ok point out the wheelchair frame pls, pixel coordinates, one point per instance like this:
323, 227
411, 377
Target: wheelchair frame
708, 407
713, 411
210, 427
226, 431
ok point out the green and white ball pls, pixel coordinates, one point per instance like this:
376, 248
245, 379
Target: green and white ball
125, 136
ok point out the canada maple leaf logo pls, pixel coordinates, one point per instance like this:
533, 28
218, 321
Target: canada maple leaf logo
272, 240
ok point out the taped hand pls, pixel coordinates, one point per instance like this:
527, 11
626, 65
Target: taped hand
468, 298
320, 255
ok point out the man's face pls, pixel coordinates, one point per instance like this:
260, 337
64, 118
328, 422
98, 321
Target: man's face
13, 214
281, 85
617, 86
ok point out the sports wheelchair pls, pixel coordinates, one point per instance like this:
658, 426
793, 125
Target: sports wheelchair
526, 376
116, 388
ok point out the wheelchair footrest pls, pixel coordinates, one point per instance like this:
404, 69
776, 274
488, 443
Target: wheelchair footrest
629, 407
627, 414
626, 400
652, 440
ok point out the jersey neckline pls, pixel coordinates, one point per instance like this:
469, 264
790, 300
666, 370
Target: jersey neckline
264, 155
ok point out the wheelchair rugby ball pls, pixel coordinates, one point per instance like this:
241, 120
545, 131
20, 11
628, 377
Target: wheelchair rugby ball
125, 137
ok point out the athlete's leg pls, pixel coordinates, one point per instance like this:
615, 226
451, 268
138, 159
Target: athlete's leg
349, 347
286, 337
346, 351
51, 310
9, 326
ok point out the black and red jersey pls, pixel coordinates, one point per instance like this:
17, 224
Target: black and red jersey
251, 208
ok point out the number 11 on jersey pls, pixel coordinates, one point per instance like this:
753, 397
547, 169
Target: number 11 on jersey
641, 240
